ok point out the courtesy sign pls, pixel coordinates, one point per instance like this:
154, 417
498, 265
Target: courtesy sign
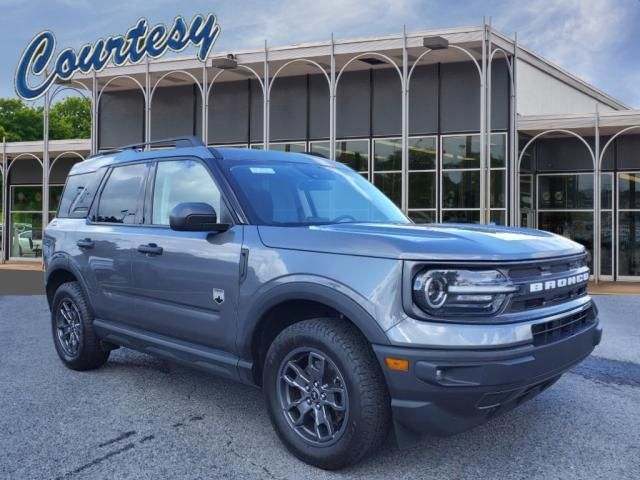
40, 68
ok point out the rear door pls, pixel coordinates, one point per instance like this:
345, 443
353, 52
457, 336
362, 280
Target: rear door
106, 242
188, 287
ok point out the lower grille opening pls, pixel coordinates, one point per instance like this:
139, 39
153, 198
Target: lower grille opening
554, 330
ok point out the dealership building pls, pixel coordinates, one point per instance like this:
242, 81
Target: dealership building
454, 125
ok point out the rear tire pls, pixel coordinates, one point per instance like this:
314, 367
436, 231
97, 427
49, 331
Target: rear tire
325, 393
74, 336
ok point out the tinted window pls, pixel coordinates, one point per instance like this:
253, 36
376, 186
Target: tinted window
179, 182
72, 192
120, 196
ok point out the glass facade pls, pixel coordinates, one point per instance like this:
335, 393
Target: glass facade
629, 225
25, 221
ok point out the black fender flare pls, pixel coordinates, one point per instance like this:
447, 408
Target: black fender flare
311, 291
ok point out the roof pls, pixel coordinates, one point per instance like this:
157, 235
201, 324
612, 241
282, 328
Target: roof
238, 154
469, 37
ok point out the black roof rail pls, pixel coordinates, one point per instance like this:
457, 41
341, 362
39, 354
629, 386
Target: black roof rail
178, 142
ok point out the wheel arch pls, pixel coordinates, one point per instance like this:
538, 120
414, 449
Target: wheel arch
291, 303
59, 271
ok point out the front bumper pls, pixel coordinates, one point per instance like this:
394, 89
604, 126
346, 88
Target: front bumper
447, 391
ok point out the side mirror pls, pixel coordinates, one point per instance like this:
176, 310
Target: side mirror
196, 217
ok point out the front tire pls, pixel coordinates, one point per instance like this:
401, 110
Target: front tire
325, 393
74, 337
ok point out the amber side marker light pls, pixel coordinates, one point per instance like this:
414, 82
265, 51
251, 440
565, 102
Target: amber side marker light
399, 364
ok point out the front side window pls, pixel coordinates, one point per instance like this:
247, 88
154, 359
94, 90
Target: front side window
121, 195
292, 194
182, 181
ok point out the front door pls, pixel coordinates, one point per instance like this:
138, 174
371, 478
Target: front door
186, 282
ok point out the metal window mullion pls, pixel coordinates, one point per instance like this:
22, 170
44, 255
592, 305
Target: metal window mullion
405, 122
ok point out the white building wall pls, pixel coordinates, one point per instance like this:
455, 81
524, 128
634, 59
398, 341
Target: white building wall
539, 93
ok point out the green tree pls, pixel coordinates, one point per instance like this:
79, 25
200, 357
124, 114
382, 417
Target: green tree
68, 118
19, 121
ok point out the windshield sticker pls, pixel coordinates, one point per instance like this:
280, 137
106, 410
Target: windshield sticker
262, 170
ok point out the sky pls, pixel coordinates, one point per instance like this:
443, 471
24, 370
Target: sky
597, 40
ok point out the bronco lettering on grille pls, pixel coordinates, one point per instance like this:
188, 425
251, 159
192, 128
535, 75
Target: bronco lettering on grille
558, 283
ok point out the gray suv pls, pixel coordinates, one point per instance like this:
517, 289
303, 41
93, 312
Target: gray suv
293, 273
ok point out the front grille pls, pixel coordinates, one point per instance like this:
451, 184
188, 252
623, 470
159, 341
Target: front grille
554, 330
525, 275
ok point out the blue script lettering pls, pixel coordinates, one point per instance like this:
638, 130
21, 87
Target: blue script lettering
37, 63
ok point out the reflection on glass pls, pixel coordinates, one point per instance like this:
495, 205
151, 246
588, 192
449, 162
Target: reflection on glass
497, 189
461, 216
498, 150
422, 190
296, 147
55, 194
120, 196
526, 192
391, 185
422, 216
354, 153
25, 199
422, 153
629, 250
26, 235
498, 217
565, 192
629, 190
461, 189
606, 243
181, 182
577, 226
387, 155
606, 187
461, 151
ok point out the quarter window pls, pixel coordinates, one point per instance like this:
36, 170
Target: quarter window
179, 182
120, 197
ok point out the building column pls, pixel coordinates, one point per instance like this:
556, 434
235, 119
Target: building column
5, 214
266, 95
332, 103
513, 131
205, 104
405, 123
487, 171
147, 105
483, 126
597, 237
45, 163
94, 114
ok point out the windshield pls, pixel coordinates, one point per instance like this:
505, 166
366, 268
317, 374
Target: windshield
291, 194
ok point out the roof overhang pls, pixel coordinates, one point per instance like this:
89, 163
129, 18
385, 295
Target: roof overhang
584, 124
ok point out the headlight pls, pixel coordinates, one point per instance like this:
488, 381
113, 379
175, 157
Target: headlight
461, 292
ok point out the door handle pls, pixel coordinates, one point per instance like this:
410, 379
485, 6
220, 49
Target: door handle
85, 243
151, 249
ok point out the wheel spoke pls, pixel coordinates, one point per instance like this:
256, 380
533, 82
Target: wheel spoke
322, 419
301, 381
335, 399
316, 366
303, 408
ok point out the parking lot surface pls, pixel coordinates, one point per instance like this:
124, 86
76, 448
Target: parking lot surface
139, 417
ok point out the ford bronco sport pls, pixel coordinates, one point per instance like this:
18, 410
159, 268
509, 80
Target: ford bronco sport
293, 273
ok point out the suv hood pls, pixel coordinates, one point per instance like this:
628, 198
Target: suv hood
422, 242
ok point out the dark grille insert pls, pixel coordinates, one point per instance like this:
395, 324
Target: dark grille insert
554, 330
544, 300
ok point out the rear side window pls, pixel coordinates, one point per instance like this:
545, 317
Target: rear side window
78, 194
121, 195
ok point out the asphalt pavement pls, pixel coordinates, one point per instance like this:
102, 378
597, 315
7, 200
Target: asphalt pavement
140, 417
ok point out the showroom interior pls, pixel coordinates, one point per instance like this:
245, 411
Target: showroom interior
454, 125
